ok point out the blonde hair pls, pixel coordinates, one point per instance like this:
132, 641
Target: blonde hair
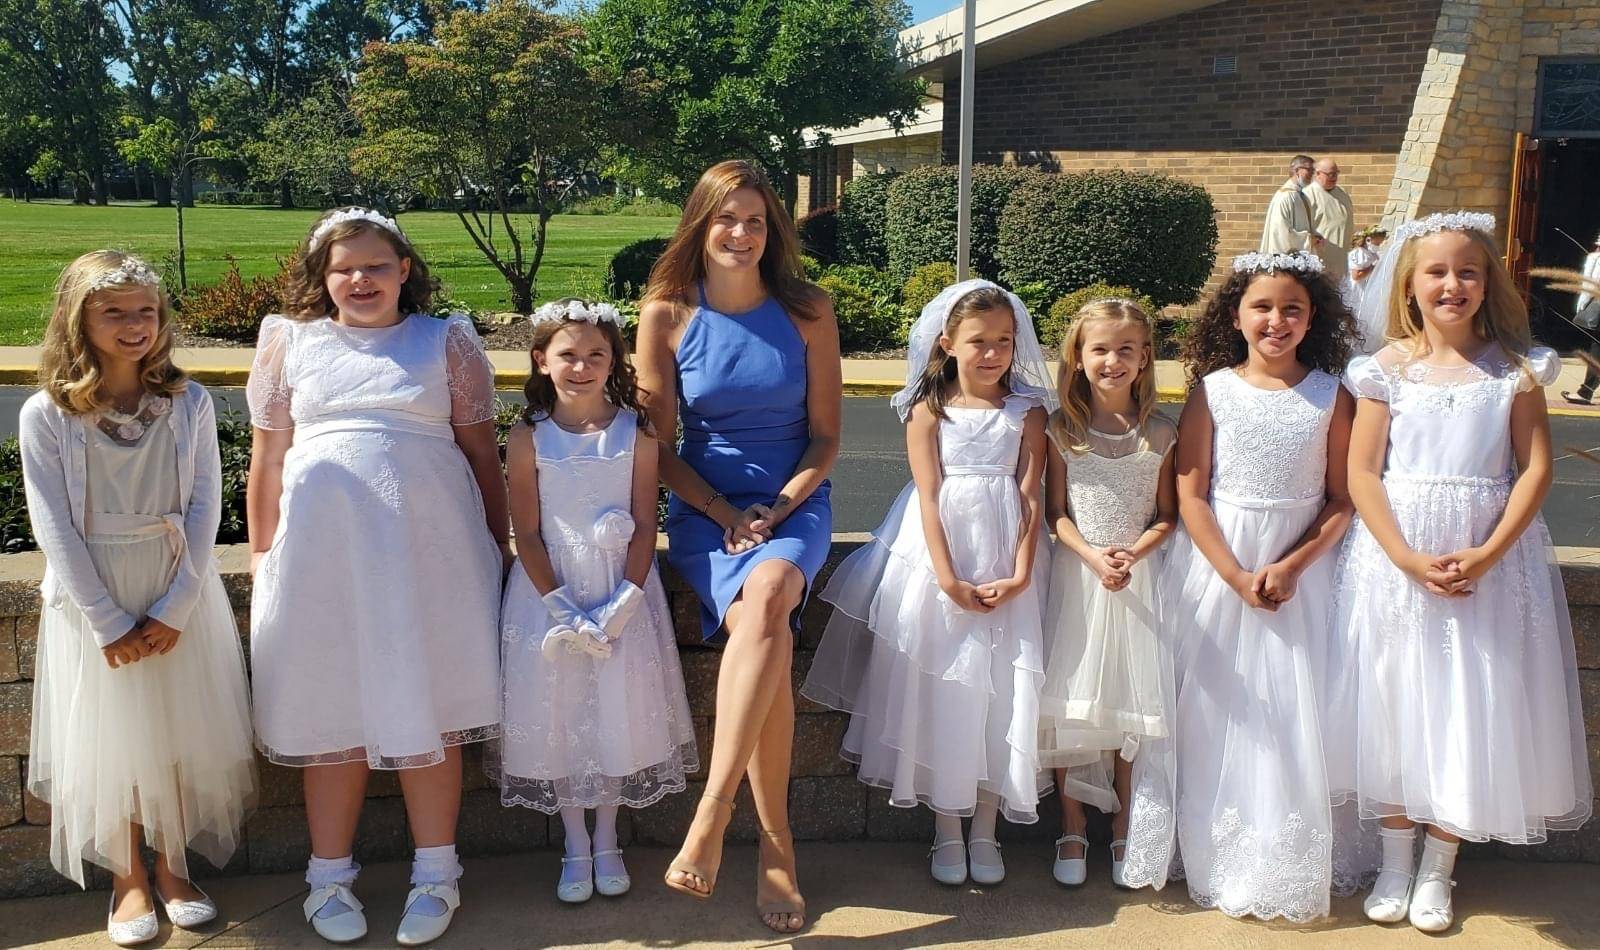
305, 287
69, 369
1502, 318
1069, 425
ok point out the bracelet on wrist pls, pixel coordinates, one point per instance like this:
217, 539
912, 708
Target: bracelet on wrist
705, 509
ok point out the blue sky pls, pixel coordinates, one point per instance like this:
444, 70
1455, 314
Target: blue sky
922, 9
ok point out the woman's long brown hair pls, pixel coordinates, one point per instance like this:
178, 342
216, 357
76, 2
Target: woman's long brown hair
683, 264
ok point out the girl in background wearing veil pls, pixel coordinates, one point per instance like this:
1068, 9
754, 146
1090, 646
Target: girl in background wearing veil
935, 647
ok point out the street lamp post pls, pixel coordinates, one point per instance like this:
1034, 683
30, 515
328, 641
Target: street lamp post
964, 187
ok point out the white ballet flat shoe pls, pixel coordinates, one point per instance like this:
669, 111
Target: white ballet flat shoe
985, 873
951, 874
1432, 919
1070, 871
187, 915
1119, 865
342, 927
576, 892
417, 929
1383, 909
612, 885
131, 933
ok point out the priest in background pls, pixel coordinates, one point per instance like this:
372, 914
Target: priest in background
1289, 218
1332, 216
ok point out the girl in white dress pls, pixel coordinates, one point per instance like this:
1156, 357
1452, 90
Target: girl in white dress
935, 646
141, 721
595, 712
1111, 497
376, 504
1261, 485
1470, 720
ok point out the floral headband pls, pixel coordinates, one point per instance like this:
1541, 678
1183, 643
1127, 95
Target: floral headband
352, 214
130, 271
1298, 262
576, 310
1445, 221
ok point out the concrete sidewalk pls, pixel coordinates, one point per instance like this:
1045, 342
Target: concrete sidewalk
230, 366
874, 895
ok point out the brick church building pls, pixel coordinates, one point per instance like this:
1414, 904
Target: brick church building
1489, 105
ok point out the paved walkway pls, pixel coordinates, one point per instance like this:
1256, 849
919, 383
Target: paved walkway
872, 895
230, 366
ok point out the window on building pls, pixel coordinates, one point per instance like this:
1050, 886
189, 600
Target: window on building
1569, 98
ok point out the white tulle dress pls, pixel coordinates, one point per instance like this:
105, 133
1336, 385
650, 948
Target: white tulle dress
376, 613
1470, 716
1246, 784
582, 730
164, 741
943, 703
1108, 678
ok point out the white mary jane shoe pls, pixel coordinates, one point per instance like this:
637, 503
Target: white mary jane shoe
1382, 909
1432, 919
187, 915
951, 874
575, 892
612, 885
131, 933
1118, 865
417, 929
342, 927
1071, 871
985, 873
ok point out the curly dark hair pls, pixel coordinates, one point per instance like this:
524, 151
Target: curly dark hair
622, 387
1214, 343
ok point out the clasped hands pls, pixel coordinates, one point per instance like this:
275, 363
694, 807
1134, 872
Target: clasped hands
588, 631
751, 527
149, 637
1448, 575
1112, 565
1269, 587
982, 598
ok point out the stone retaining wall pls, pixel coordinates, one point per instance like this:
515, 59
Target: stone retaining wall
826, 801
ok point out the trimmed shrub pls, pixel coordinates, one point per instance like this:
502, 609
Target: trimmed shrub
1052, 325
869, 320
16, 531
819, 233
863, 219
1153, 233
231, 308
921, 218
925, 284
629, 269
1036, 297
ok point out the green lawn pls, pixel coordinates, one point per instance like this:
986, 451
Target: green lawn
38, 239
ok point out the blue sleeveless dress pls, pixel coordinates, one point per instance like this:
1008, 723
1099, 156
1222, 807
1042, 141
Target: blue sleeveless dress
742, 403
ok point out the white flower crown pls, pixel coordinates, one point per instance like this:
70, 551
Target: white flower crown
1445, 221
130, 271
576, 310
352, 214
1299, 262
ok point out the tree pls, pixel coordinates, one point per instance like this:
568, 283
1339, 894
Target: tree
748, 78
311, 144
60, 51
499, 112
170, 152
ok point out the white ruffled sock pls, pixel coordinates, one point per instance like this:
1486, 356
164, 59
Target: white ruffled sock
323, 872
437, 865
1391, 893
1431, 910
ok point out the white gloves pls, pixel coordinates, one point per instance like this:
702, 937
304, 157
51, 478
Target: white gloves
616, 613
589, 632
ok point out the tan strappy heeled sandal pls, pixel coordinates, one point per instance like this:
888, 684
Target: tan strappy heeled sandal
680, 866
787, 908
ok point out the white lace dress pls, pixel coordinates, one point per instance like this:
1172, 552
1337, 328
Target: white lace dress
1108, 676
1248, 770
1470, 716
944, 703
580, 730
375, 615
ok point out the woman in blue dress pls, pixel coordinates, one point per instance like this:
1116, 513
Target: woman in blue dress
736, 345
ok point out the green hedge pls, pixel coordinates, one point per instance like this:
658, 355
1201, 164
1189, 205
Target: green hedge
921, 218
863, 220
819, 233
629, 269
866, 303
1153, 233
926, 283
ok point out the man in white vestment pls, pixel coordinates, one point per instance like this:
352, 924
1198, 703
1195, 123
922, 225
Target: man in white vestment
1289, 224
1332, 216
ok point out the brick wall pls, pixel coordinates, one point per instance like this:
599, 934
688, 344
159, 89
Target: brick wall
826, 801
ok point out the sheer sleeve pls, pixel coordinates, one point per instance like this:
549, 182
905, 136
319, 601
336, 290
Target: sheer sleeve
268, 390
1544, 367
1365, 379
470, 374
1160, 435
